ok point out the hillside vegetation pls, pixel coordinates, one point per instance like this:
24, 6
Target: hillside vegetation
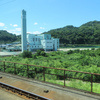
6, 37
88, 33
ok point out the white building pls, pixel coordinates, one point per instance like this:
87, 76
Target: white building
35, 42
16, 47
2, 46
42, 41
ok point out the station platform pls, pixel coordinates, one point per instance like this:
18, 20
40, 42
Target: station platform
54, 92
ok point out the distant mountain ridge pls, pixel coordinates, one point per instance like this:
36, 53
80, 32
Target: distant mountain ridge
88, 33
6, 37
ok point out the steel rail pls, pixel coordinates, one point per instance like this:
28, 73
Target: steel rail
22, 92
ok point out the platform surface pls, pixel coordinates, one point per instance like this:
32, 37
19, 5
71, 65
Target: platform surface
5, 95
55, 92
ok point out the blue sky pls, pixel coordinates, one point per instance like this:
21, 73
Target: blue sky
44, 15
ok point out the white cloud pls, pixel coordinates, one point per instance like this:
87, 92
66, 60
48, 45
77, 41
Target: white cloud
2, 24
42, 28
37, 32
18, 29
35, 23
14, 32
5, 27
17, 33
15, 25
28, 32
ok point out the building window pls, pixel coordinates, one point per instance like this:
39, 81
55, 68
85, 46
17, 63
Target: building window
36, 39
33, 39
47, 37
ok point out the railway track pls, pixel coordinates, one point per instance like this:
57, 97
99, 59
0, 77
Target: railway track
22, 92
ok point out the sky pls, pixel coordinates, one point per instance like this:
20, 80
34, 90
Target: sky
45, 15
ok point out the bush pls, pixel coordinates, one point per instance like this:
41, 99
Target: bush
41, 53
85, 61
93, 49
70, 52
77, 51
34, 56
98, 64
27, 54
38, 53
92, 54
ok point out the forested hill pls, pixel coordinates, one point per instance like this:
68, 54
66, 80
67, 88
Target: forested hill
88, 33
6, 37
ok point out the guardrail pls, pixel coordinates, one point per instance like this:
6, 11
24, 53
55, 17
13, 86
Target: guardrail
43, 71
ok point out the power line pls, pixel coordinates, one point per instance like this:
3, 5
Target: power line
7, 2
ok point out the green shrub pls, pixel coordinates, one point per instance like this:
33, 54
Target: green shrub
70, 52
38, 52
34, 56
41, 53
27, 54
92, 54
77, 50
98, 64
93, 49
85, 61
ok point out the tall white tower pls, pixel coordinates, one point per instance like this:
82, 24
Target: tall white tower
23, 35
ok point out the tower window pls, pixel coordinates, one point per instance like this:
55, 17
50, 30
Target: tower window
47, 37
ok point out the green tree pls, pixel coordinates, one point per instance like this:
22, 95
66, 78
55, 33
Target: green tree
27, 54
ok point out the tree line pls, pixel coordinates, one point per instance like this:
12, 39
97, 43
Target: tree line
88, 33
6, 37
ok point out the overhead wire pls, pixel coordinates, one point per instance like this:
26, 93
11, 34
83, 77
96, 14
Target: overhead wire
7, 2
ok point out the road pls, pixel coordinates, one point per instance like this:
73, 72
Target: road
67, 49
9, 53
